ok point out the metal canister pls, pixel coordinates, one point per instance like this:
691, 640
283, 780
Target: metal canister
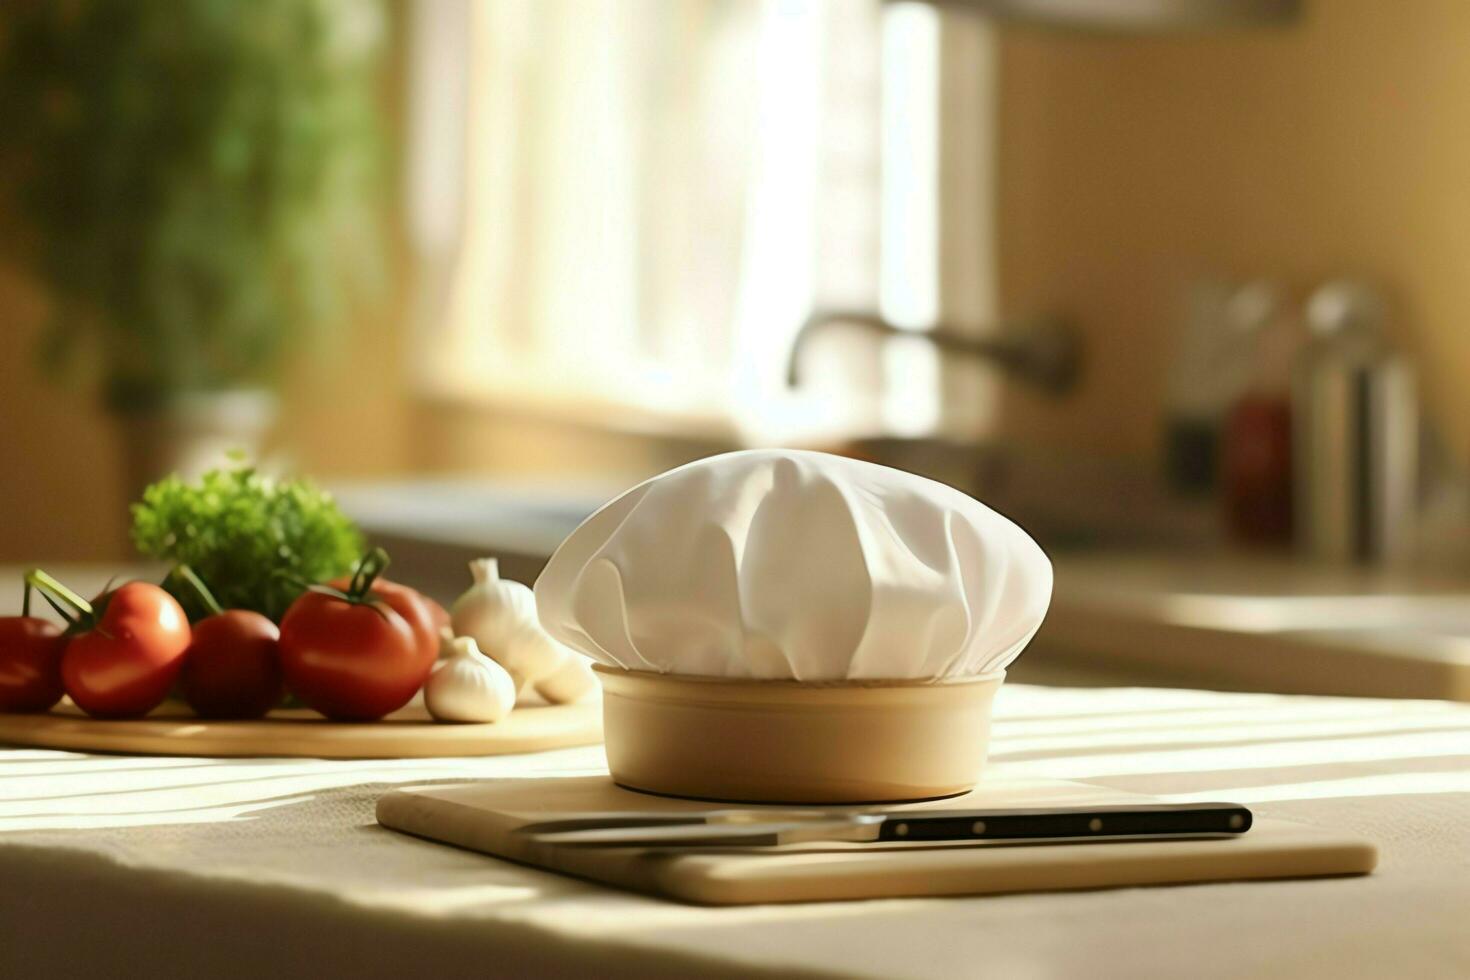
1355, 432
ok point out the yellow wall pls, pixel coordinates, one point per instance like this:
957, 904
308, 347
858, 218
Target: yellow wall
1128, 166
60, 474
61, 488
1339, 146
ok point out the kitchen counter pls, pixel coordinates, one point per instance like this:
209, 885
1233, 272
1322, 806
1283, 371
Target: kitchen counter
1248, 622
1229, 621
124, 866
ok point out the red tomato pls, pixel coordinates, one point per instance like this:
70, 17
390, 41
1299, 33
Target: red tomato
424, 616
122, 664
232, 668
30, 663
349, 659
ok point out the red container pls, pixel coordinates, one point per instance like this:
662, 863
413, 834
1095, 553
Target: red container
1256, 467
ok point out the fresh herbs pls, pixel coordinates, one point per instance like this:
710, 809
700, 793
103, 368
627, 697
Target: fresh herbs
198, 179
253, 538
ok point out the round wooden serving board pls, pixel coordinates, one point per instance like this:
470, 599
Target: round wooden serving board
409, 733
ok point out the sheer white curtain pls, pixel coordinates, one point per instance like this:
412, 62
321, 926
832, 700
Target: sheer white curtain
626, 208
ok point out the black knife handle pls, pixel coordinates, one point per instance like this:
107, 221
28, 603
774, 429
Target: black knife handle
1101, 822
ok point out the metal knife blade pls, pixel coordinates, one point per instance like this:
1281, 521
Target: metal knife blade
858, 827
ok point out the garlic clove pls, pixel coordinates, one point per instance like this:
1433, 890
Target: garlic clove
572, 681
530, 654
467, 686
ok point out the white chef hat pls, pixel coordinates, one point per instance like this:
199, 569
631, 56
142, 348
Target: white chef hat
796, 565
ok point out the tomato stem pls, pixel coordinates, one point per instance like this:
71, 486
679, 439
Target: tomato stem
61, 610
25, 602
57, 595
359, 590
371, 565
201, 591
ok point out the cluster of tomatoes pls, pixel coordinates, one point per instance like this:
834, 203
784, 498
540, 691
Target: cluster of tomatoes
354, 649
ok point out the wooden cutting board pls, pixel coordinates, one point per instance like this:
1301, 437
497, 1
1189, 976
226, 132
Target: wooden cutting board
485, 817
409, 733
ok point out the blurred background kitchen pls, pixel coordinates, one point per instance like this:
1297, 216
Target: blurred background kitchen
1177, 284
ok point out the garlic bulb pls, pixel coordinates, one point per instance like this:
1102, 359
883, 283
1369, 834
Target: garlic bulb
572, 681
467, 685
493, 608
500, 615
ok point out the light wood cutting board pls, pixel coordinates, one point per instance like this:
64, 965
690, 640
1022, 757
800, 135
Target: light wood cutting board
485, 817
409, 733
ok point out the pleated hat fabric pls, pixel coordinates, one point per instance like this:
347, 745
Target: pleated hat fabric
785, 564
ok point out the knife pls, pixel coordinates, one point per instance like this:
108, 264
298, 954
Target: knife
770, 828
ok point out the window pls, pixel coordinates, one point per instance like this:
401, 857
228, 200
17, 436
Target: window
627, 208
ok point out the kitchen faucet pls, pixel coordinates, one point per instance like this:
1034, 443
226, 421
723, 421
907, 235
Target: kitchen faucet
1047, 351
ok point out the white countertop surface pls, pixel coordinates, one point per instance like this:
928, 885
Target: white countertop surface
133, 866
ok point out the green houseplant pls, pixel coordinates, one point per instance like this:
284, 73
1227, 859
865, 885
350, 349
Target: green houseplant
194, 186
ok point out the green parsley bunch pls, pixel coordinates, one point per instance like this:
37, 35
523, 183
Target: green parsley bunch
252, 538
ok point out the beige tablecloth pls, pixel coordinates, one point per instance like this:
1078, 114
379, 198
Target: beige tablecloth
132, 866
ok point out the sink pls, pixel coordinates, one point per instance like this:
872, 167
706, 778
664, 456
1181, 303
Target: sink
1065, 498
532, 517
434, 527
